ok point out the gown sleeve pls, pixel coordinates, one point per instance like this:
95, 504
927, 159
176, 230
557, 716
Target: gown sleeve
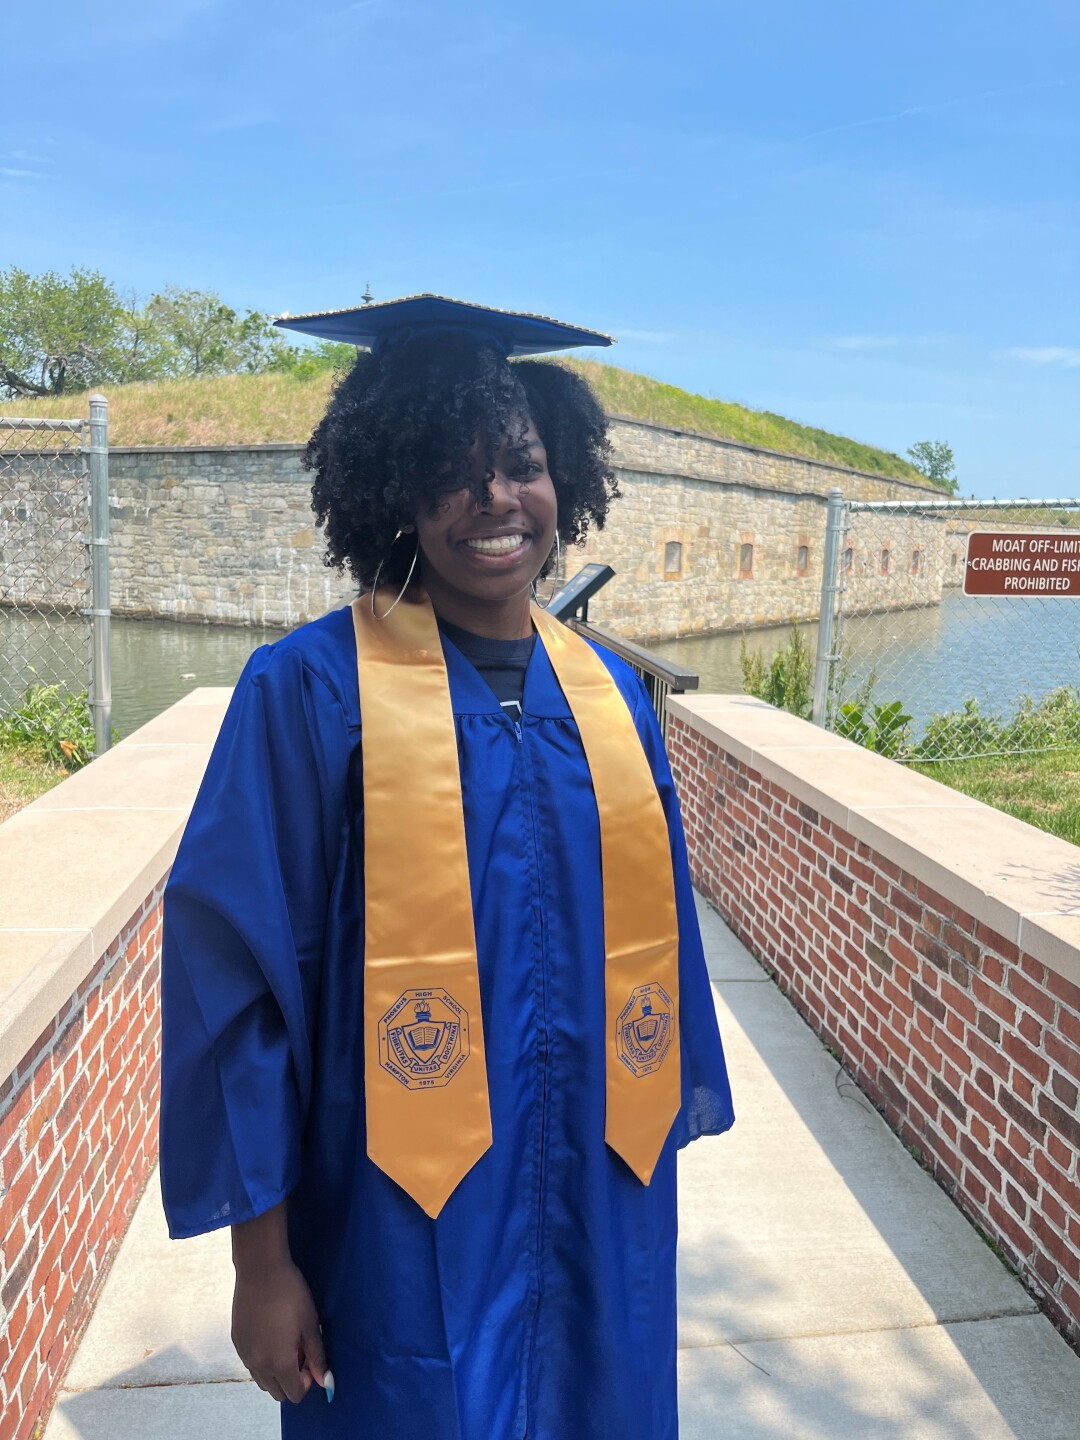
244, 923
706, 1092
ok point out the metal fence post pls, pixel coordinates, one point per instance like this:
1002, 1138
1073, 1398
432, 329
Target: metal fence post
100, 611
834, 530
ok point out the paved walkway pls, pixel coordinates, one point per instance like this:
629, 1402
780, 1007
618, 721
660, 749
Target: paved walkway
828, 1287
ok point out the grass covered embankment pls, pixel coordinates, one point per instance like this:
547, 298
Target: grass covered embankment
1043, 789
261, 409
24, 775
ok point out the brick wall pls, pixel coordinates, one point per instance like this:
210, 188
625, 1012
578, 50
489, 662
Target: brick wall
78, 1137
968, 1045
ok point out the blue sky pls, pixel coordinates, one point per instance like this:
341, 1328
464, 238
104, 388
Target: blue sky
864, 214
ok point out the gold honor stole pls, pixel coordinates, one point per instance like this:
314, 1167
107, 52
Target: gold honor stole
428, 1116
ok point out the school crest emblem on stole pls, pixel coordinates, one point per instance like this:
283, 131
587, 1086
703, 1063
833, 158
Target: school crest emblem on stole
644, 1029
424, 1039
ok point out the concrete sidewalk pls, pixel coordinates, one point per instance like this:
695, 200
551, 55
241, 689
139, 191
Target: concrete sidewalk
828, 1287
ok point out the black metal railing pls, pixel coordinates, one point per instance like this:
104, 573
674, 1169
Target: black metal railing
661, 677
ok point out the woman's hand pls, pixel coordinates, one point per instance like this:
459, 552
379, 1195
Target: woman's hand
275, 1326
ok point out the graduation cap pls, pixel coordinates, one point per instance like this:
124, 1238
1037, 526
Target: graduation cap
386, 323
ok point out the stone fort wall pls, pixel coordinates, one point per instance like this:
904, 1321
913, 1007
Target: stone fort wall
709, 535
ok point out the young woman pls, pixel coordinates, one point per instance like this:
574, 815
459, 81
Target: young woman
435, 1008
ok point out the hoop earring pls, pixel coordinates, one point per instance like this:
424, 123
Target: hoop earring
408, 577
555, 583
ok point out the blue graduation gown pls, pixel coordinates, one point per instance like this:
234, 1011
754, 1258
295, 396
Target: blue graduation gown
541, 1302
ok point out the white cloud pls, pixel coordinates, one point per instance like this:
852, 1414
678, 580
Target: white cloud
10, 174
864, 342
936, 107
881, 342
1067, 356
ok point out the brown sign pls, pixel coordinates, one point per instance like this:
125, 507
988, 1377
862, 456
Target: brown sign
1001, 563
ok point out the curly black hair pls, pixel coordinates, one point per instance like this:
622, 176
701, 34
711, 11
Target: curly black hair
399, 429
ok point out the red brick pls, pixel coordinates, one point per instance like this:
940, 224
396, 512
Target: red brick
1011, 1235
927, 1001
1046, 1271
1055, 1212
13, 1117
922, 1099
993, 1000
931, 950
1034, 969
1023, 1055
974, 1187
1066, 1124
1030, 1029
1068, 1190
991, 1055
991, 940
905, 903
1064, 1090
981, 1162
19, 1272
1020, 1143
1031, 995
1064, 989
1016, 1201
1015, 1168
960, 1055
958, 1000
18, 1194
989, 1110
992, 969
48, 1183
1053, 1243
980, 1132
1061, 1054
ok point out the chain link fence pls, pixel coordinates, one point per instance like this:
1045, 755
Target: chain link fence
951, 629
54, 593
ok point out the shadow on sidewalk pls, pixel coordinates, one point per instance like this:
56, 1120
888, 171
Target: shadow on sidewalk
828, 1286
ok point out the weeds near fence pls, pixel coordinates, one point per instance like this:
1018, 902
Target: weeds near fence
885, 729
787, 680
1034, 726
51, 725
1046, 724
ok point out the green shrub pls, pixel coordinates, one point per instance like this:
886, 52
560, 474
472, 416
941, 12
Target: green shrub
787, 680
1047, 724
885, 729
957, 733
55, 725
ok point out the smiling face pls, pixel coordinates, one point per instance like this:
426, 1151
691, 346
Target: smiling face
478, 559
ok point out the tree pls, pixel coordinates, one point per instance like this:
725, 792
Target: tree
58, 333
64, 333
308, 361
199, 334
935, 460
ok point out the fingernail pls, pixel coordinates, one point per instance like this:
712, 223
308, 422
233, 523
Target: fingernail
328, 1386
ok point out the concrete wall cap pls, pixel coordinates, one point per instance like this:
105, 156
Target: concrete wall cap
1015, 878
77, 864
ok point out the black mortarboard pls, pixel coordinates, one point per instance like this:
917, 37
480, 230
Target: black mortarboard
388, 322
